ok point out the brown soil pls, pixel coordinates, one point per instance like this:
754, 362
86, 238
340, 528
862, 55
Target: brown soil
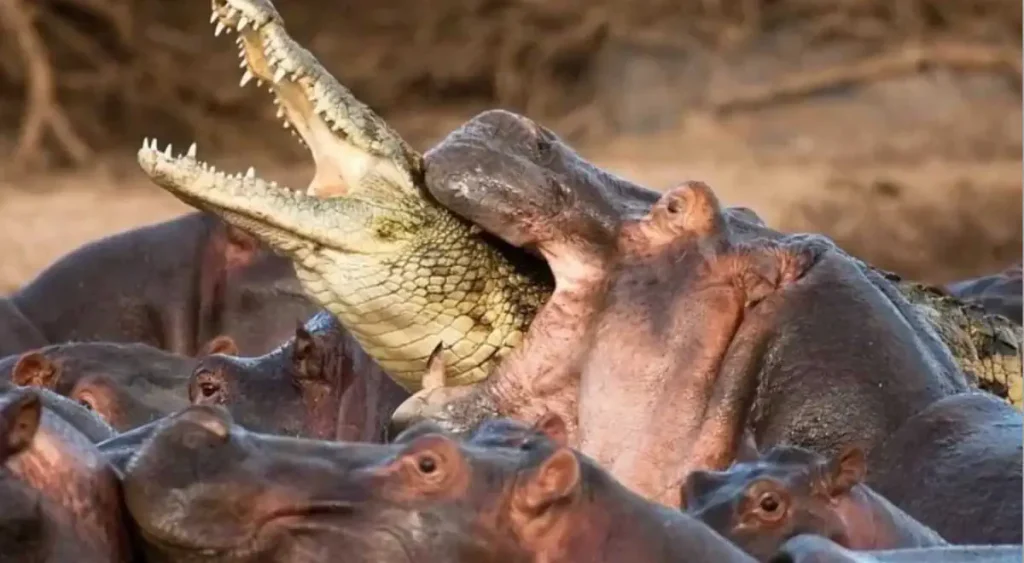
892, 127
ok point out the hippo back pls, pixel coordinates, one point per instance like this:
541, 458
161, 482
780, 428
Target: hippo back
968, 450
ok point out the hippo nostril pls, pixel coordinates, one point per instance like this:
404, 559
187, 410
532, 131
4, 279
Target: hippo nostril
208, 389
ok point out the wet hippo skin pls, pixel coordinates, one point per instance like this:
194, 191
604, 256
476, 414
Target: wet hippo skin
61, 502
173, 285
125, 384
319, 384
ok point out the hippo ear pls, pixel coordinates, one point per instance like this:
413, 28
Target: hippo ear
36, 370
20, 413
699, 484
847, 469
240, 248
222, 344
553, 426
557, 478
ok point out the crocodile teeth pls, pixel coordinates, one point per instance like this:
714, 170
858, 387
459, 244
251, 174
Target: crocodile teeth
280, 112
219, 29
241, 63
168, 151
243, 23
192, 150
250, 173
246, 77
213, 17
279, 75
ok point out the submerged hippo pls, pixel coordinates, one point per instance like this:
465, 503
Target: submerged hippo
204, 489
791, 491
127, 385
61, 501
792, 340
320, 384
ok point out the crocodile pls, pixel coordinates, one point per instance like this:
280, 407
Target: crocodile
397, 269
373, 245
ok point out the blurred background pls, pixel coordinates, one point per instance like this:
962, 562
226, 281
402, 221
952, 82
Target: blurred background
893, 126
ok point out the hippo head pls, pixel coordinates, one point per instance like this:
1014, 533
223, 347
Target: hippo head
61, 502
127, 385
201, 488
760, 504
306, 388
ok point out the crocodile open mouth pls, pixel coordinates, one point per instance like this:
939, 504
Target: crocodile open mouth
309, 102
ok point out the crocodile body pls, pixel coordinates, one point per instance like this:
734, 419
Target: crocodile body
400, 271
986, 346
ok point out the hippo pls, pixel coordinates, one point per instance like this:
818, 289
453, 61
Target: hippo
61, 501
17, 333
812, 548
812, 348
1001, 293
83, 420
204, 489
320, 384
789, 491
174, 285
125, 384
963, 451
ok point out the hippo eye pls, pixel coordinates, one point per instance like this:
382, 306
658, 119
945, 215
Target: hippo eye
426, 465
85, 399
672, 206
769, 503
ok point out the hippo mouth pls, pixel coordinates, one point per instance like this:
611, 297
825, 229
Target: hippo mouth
309, 517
